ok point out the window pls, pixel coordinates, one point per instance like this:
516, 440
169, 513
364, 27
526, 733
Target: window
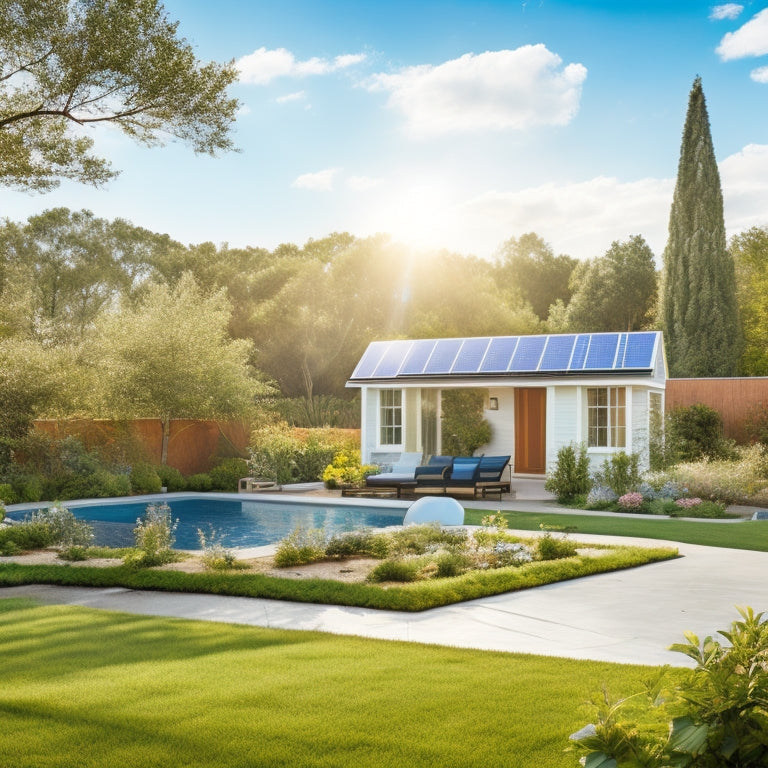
391, 416
606, 417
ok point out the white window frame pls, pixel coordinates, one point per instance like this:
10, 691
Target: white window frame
397, 410
615, 417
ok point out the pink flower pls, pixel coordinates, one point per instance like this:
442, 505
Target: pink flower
688, 503
631, 500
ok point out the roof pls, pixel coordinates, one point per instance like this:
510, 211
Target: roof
498, 356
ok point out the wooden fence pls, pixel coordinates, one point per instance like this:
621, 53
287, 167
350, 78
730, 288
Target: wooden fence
193, 445
731, 398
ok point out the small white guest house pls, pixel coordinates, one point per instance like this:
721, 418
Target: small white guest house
605, 390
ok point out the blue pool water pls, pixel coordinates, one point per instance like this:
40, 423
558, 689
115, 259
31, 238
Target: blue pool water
245, 523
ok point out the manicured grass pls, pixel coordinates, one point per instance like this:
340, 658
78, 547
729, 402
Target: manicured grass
98, 689
417, 596
750, 534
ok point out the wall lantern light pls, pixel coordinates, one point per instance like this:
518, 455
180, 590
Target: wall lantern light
493, 403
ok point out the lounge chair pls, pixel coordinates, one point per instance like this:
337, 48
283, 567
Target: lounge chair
466, 474
402, 472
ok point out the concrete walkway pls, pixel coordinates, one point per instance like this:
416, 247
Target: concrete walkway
627, 616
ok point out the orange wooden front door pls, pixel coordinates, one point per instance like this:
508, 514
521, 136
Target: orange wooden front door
530, 431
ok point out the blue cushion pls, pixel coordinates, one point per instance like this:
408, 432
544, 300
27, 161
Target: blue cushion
464, 470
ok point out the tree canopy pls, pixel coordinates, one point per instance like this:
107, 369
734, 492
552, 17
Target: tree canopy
700, 311
69, 64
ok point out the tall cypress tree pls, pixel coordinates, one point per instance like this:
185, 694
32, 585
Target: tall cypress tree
700, 311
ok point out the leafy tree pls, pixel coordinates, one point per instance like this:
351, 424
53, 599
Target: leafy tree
700, 310
529, 264
749, 251
464, 428
170, 357
66, 64
616, 292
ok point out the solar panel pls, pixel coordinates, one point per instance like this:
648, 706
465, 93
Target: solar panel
640, 348
602, 351
527, 354
392, 359
443, 356
416, 359
499, 354
470, 356
557, 355
370, 360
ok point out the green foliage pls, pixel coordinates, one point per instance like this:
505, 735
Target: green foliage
717, 712
62, 527
200, 482
74, 553
346, 469
288, 455
320, 411
155, 535
7, 494
25, 537
170, 478
550, 548
464, 429
699, 306
138, 75
358, 543
301, 546
620, 473
144, 479
216, 557
756, 423
696, 432
398, 570
227, 473
570, 477
616, 292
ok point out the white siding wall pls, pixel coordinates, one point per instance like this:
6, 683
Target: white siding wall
370, 435
502, 423
640, 432
562, 421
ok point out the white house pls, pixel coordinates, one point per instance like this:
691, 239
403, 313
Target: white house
605, 390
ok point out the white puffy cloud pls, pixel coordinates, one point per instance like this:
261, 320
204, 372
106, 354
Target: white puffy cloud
297, 96
759, 75
493, 90
263, 65
320, 181
726, 11
744, 177
751, 39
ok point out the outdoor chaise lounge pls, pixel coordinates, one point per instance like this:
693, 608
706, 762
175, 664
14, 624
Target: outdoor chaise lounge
464, 475
402, 476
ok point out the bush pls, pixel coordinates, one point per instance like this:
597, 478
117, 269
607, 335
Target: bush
226, 475
571, 475
362, 542
620, 473
155, 536
696, 432
63, 528
144, 479
463, 427
713, 717
601, 497
7, 494
550, 548
24, 538
215, 557
170, 478
401, 570
346, 469
200, 483
631, 501
301, 546
756, 423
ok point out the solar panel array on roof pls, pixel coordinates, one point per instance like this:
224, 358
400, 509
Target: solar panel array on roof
497, 355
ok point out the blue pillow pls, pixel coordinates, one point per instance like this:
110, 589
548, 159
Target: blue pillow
465, 470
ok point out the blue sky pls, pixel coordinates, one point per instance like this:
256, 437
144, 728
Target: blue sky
451, 124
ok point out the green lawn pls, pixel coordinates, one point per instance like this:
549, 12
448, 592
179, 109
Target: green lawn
98, 690
750, 534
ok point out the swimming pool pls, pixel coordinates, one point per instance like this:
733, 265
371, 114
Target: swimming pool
239, 521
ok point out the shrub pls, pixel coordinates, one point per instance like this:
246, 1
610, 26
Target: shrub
601, 497
451, 564
144, 479
496, 520
703, 509
621, 473
155, 536
171, 478
571, 475
301, 546
7, 494
756, 423
401, 569
2, 511
716, 712
200, 483
362, 542
346, 469
631, 501
215, 557
63, 528
550, 548
226, 475
75, 553
418, 539
696, 432
463, 426
24, 538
